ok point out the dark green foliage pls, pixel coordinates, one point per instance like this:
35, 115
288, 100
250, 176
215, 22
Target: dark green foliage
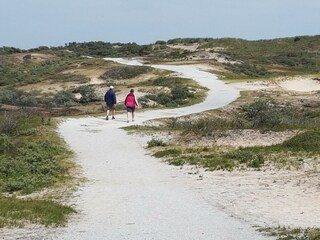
8, 123
179, 94
64, 98
261, 113
177, 54
105, 49
167, 153
156, 143
248, 69
125, 72
17, 97
189, 40
87, 94
9, 50
176, 161
160, 42
5, 143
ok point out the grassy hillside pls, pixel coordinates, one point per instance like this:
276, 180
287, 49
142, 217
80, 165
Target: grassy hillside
242, 58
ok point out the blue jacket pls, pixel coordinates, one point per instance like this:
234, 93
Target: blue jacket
110, 97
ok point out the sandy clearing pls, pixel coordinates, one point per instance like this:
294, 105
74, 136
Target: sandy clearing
242, 138
300, 85
191, 47
307, 85
254, 86
266, 198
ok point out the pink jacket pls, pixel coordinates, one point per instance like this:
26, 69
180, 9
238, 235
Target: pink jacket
131, 100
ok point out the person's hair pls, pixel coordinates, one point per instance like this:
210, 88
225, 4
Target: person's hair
132, 90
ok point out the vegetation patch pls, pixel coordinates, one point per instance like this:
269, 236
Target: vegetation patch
32, 158
125, 72
282, 233
167, 153
156, 143
263, 115
18, 212
175, 92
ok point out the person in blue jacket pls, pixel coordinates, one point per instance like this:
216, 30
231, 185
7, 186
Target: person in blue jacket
111, 101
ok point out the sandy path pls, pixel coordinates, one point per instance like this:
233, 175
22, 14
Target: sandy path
131, 195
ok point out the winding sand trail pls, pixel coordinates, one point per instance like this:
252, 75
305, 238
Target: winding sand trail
131, 195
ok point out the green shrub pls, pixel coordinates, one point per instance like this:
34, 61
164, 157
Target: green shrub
125, 72
248, 70
176, 161
156, 143
246, 156
64, 98
167, 153
19, 98
8, 123
32, 167
5, 142
308, 141
87, 94
178, 96
261, 113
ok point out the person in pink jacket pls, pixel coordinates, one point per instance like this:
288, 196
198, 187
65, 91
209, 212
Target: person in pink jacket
131, 103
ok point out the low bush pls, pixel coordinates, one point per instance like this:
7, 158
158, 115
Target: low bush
32, 167
64, 98
246, 156
178, 96
167, 153
125, 72
8, 123
156, 143
88, 94
19, 98
261, 113
248, 70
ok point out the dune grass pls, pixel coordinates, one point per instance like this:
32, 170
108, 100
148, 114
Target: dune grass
282, 233
261, 115
32, 158
17, 212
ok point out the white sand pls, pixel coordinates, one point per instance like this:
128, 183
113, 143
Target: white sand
294, 84
300, 85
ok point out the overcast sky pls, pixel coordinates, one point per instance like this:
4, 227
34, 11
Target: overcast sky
33, 23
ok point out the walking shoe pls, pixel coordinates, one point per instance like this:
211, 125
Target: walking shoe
107, 118
113, 118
